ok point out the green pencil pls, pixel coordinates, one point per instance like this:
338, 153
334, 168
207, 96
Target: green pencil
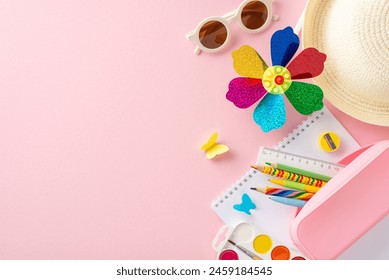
300, 171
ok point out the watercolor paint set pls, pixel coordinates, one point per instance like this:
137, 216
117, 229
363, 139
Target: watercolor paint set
246, 242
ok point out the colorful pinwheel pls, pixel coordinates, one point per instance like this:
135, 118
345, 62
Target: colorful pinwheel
258, 80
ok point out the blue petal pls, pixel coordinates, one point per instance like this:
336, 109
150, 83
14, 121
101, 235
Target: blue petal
270, 113
284, 44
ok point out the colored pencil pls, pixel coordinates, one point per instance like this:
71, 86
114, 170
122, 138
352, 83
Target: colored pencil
247, 252
295, 186
300, 171
288, 201
289, 175
284, 193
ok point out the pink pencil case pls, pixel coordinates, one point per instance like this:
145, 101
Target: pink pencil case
347, 207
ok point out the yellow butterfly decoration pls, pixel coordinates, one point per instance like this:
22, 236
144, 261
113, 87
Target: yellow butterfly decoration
213, 149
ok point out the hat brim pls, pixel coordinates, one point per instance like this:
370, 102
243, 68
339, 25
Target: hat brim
355, 104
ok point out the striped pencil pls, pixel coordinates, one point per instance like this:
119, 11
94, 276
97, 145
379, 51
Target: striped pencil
295, 186
296, 170
289, 176
289, 201
284, 193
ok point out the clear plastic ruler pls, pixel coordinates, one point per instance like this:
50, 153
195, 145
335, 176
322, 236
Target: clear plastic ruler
298, 161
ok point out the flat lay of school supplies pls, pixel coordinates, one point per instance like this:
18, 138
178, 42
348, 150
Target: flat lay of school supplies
287, 204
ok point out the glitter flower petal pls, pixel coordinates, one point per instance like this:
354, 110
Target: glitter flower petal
305, 98
284, 45
270, 113
307, 64
244, 92
248, 63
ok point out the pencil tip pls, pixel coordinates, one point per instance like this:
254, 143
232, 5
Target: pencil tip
253, 189
259, 168
261, 190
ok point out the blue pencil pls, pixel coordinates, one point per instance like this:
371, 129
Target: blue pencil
289, 201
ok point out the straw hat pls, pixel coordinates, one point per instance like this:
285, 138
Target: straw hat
355, 36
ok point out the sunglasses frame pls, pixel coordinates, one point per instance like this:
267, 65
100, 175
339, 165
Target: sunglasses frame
226, 20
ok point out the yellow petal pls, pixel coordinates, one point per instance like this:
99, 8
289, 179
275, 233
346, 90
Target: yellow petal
248, 63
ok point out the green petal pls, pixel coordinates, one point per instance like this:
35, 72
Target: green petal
305, 98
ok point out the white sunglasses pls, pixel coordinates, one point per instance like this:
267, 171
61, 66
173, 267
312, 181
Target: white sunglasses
213, 33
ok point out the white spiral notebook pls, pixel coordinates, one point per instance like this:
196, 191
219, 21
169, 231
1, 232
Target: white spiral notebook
301, 149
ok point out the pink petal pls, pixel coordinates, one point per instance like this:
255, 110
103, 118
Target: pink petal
244, 92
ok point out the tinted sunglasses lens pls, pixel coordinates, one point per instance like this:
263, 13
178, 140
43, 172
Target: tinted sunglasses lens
254, 15
213, 34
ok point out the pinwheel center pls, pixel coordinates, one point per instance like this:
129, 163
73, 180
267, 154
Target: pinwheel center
279, 80
276, 79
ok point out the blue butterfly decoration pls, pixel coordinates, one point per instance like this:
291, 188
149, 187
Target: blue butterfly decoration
246, 205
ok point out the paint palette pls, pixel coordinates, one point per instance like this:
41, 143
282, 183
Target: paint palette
245, 242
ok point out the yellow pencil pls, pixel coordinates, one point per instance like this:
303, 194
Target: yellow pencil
295, 186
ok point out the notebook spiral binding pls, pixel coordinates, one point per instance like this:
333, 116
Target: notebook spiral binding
300, 129
235, 187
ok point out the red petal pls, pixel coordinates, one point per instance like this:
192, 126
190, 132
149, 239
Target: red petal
308, 64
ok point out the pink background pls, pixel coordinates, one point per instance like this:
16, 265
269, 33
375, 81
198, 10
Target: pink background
103, 109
